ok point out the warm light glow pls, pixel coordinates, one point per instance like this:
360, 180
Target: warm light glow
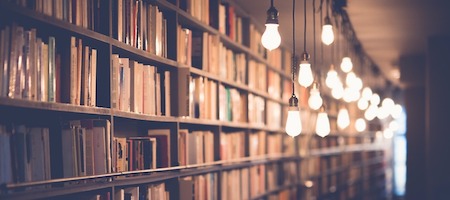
382, 113
314, 101
346, 64
357, 84
338, 91
387, 133
393, 125
322, 124
350, 79
351, 94
367, 93
332, 79
371, 112
396, 111
363, 104
388, 103
293, 122
360, 125
327, 34
305, 74
375, 99
343, 119
271, 38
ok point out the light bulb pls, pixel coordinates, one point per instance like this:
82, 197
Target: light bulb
363, 104
351, 94
393, 125
293, 122
357, 83
322, 124
305, 77
375, 99
327, 32
388, 103
332, 79
350, 79
387, 133
314, 101
383, 112
371, 112
397, 111
338, 91
367, 93
271, 38
346, 64
343, 119
360, 125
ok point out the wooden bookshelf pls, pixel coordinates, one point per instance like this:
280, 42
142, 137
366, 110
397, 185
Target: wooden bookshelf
129, 140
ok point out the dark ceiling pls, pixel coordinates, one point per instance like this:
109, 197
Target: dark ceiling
386, 29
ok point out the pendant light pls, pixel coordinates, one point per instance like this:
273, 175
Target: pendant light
322, 123
360, 125
343, 119
305, 74
327, 29
293, 121
271, 38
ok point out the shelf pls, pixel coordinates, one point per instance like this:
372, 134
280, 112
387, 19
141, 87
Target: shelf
49, 106
206, 122
151, 58
345, 149
143, 117
49, 20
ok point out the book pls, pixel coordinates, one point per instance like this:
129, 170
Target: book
163, 146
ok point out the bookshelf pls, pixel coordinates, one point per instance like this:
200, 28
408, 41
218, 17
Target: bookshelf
137, 113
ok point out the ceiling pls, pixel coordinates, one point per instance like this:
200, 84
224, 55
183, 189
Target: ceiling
386, 29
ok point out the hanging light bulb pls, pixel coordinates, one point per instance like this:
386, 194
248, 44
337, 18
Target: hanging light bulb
322, 123
305, 74
327, 31
338, 91
393, 125
360, 125
293, 121
343, 119
367, 93
375, 99
350, 78
332, 77
383, 112
371, 112
388, 103
357, 83
314, 101
363, 104
346, 64
271, 38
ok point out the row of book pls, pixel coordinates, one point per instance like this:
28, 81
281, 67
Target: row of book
233, 105
141, 25
255, 41
232, 145
139, 88
153, 191
80, 77
25, 154
29, 65
195, 147
274, 116
140, 152
200, 187
86, 147
83, 13
256, 110
199, 9
257, 73
230, 23
202, 98
32, 68
274, 84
